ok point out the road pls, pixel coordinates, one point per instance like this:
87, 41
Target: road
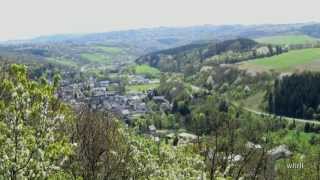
283, 117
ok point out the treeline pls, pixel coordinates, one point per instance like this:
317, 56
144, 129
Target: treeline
296, 96
190, 58
304, 46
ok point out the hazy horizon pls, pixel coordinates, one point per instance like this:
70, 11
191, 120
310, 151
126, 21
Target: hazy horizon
34, 18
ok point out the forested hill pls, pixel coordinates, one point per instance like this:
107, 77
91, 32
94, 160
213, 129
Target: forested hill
155, 39
296, 96
312, 30
192, 56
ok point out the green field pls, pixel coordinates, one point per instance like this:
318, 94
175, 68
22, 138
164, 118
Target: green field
305, 59
253, 102
297, 139
110, 50
141, 87
62, 61
287, 39
147, 70
96, 57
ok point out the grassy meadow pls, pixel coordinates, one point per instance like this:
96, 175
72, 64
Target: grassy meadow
305, 59
96, 57
147, 70
297, 140
253, 102
110, 50
62, 61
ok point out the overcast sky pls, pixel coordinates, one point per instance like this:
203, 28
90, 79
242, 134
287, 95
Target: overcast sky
30, 18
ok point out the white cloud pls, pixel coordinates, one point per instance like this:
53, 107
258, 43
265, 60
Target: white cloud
27, 18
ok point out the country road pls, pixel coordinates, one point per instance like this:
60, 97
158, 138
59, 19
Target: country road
283, 117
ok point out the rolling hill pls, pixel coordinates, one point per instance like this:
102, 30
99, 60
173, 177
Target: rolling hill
311, 30
190, 58
288, 40
305, 59
154, 39
194, 43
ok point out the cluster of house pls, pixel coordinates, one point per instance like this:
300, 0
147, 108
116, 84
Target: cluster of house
140, 79
95, 93
127, 106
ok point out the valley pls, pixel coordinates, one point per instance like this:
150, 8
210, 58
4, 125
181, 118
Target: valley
202, 102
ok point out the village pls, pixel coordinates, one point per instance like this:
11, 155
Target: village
107, 95
129, 106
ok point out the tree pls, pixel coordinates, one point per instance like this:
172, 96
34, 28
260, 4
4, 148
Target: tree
292, 125
296, 95
270, 48
278, 50
102, 151
223, 106
199, 125
254, 54
309, 113
122, 84
314, 140
183, 108
151, 160
32, 142
307, 127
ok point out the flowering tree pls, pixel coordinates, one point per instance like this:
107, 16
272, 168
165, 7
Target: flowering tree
32, 145
157, 160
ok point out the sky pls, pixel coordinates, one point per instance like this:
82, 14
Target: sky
20, 19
